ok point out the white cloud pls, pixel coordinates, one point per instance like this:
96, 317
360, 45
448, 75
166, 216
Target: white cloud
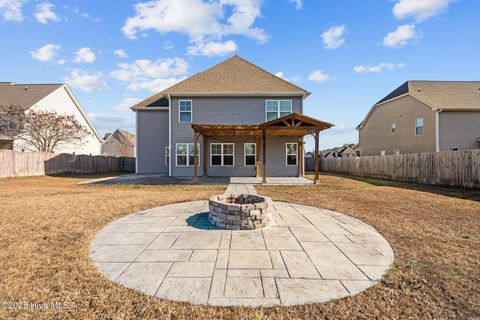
86, 81
46, 53
11, 10
154, 85
109, 123
334, 37
61, 61
167, 45
401, 36
318, 76
419, 9
378, 68
126, 103
212, 48
120, 53
144, 69
280, 74
44, 13
84, 55
197, 18
298, 4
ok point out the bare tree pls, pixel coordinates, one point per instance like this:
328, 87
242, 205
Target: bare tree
46, 130
11, 120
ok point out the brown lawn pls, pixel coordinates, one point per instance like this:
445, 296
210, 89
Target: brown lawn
47, 223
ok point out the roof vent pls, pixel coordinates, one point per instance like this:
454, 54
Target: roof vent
12, 83
26, 88
419, 89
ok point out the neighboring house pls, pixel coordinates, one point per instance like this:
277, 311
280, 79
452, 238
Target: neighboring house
345, 151
121, 143
245, 120
48, 97
423, 116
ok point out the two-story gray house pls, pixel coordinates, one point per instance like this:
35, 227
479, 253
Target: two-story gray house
234, 119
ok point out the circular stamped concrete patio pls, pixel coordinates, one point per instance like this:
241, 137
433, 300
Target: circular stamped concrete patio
309, 255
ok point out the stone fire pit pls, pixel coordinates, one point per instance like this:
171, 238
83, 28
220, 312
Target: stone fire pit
239, 212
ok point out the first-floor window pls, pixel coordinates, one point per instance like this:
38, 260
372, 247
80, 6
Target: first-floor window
419, 126
222, 154
393, 127
250, 154
185, 154
167, 156
292, 154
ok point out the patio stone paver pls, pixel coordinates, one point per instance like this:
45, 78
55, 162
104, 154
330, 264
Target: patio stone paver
306, 255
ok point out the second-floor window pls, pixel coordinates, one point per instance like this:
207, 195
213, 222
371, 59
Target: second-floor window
393, 127
12, 122
419, 126
278, 108
185, 111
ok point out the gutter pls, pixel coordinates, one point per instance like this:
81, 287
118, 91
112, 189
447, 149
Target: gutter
437, 129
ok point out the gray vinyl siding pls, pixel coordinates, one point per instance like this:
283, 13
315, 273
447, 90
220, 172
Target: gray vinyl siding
459, 129
228, 110
152, 131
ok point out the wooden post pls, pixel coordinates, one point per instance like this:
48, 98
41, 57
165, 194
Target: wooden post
317, 134
264, 143
257, 156
195, 154
205, 149
300, 157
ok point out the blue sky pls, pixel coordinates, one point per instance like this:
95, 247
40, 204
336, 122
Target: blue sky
348, 53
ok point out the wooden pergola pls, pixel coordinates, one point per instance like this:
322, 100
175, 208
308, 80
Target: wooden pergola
292, 125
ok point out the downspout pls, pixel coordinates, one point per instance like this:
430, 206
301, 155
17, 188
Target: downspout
136, 141
170, 136
437, 130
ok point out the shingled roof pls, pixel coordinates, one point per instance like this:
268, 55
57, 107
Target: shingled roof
24, 95
456, 95
232, 76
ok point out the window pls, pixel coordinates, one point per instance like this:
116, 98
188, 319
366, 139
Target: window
454, 149
167, 156
278, 108
292, 154
419, 126
185, 154
185, 109
393, 127
12, 122
222, 154
382, 153
250, 154
396, 152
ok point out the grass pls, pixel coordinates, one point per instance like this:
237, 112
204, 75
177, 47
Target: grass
46, 225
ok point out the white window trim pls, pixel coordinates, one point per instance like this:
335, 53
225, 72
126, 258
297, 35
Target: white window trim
221, 154
392, 129
191, 111
167, 150
278, 107
287, 154
187, 155
245, 154
423, 126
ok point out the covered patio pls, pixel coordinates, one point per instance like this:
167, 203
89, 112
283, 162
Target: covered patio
292, 125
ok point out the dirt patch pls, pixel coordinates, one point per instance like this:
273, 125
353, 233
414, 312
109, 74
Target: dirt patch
46, 225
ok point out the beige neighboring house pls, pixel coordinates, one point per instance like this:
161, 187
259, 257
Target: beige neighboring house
121, 143
423, 116
48, 97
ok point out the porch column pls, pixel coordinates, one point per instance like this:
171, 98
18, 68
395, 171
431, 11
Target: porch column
205, 149
257, 156
317, 134
195, 154
300, 157
264, 145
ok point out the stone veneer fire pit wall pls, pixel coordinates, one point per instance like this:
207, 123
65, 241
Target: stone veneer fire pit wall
239, 212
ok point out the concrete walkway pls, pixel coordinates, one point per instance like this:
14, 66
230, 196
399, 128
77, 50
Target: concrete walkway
309, 255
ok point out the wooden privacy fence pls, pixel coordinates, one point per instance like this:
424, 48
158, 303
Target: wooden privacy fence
451, 168
24, 164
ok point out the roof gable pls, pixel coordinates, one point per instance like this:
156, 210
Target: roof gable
234, 76
24, 95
